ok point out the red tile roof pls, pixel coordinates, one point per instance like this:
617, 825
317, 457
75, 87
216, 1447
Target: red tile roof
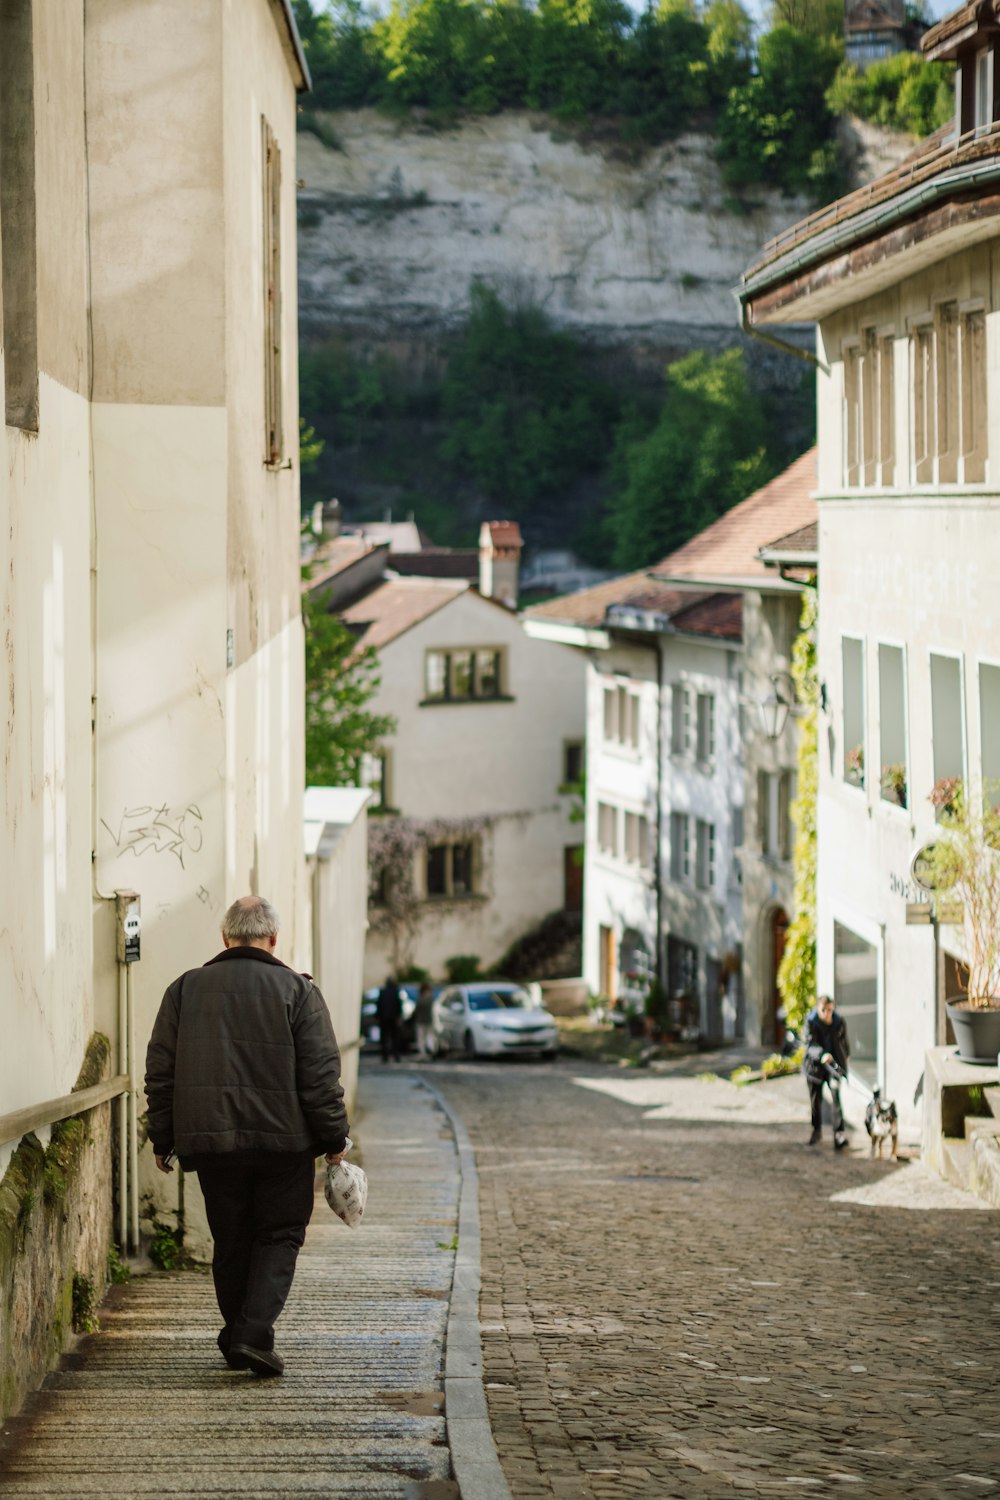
396, 606
720, 615
727, 551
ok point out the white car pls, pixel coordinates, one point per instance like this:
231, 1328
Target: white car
488, 1019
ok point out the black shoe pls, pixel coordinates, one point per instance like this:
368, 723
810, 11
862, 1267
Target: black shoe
839, 1141
260, 1361
816, 1136
234, 1361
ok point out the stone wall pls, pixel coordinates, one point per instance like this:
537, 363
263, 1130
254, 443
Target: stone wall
55, 1234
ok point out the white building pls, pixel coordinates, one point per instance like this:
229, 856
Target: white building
664, 794
764, 549
471, 839
901, 280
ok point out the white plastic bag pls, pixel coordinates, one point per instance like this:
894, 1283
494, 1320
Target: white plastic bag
346, 1190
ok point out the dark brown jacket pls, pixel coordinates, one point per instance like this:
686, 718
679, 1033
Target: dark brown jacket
243, 1058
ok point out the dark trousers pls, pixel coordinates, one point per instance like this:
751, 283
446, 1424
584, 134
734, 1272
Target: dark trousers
390, 1039
257, 1210
816, 1103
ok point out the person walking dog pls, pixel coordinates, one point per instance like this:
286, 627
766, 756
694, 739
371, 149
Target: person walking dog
243, 1086
827, 1051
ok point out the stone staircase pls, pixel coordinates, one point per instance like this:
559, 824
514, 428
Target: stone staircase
970, 1160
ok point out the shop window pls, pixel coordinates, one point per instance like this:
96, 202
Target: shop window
893, 777
852, 661
947, 725
855, 992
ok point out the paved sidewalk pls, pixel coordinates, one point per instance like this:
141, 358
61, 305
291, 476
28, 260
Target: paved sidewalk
147, 1408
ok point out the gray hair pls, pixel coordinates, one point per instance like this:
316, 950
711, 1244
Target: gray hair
250, 919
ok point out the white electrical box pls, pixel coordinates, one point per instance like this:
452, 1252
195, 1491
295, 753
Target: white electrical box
128, 908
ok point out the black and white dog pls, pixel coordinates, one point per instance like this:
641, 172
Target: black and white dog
881, 1124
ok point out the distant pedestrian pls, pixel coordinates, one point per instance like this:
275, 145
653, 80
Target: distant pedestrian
423, 1017
390, 1013
827, 1052
243, 1084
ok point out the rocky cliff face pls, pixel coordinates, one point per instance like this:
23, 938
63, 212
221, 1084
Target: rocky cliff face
396, 223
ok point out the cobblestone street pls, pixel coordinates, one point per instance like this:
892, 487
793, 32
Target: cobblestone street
672, 1308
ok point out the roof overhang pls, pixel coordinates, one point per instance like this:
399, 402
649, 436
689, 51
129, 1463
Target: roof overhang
564, 633
293, 43
877, 247
731, 585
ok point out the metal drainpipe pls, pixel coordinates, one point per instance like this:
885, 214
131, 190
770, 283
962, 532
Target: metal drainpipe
769, 338
658, 863
123, 1109
133, 1121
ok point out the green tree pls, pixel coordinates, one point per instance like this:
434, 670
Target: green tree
347, 66
815, 18
340, 681
730, 45
904, 92
708, 449
525, 417
777, 128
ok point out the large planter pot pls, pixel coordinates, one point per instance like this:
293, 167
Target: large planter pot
977, 1030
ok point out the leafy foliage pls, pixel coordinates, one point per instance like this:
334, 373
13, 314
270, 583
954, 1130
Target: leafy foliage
340, 681
797, 970
708, 449
525, 417
777, 127
904, 92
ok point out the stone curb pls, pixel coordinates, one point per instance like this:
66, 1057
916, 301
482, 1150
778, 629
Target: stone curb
470, 1438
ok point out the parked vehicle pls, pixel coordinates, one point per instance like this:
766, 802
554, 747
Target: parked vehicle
371, 1034
492, 1019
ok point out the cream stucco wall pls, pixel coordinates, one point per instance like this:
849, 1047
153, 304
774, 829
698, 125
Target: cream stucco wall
145, 528
917, 568
499, 761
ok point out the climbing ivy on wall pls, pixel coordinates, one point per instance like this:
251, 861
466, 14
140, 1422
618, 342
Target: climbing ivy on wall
797, 971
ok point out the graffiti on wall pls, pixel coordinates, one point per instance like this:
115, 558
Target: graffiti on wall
158, 830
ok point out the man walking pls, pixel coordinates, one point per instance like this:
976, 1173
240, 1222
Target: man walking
827, 1051
243, 1085
389, 1012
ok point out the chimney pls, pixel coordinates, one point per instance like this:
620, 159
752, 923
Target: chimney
500, 561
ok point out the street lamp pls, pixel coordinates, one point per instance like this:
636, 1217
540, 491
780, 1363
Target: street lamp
775, 708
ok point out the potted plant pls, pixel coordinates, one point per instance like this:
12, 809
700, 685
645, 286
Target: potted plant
894, 784
964, 864
854, 766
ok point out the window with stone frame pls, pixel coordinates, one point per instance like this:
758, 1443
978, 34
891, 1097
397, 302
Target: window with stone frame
451, 868
463, 675
680, 846
622, 709
869, 409
948, 366
705, 855
607, 828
